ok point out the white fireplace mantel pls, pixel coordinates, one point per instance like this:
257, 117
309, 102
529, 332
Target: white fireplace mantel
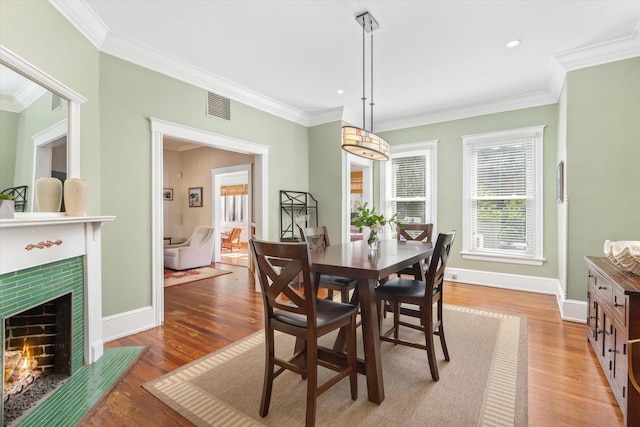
33, 239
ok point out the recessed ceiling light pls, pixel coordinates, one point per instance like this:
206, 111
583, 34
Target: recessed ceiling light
340, 91
513, 43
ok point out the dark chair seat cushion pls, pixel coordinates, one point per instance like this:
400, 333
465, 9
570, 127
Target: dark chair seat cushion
328, 312
337, 280
402, 287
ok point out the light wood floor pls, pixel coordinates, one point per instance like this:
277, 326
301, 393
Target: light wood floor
237, 256
565, 384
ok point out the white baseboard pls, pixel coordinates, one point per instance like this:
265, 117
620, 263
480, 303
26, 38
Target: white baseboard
573, 310
141, 319
540, 285
127, 323
570, 310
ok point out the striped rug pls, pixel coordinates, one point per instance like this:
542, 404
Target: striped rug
484, 384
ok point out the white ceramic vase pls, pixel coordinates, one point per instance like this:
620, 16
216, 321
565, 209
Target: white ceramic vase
7, 209
48, 194
75, 196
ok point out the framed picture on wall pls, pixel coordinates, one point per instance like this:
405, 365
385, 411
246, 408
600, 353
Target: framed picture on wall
560, 183
195, 197
167, 194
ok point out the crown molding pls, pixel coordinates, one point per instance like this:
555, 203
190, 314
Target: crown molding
602, 53
81, 16
326, 116
84, 19
9, 104
26, 96
534, 99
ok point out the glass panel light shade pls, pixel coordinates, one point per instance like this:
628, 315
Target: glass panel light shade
364, 143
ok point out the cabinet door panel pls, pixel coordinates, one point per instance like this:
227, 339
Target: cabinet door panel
619, 364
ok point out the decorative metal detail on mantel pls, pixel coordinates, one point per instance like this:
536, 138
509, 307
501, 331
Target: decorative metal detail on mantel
42, 245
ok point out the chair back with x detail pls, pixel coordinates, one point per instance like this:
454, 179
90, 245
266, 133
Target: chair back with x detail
279, 266
420, 232
424, 294
318, 238
417, 232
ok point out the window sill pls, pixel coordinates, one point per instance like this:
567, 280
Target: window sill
509, 259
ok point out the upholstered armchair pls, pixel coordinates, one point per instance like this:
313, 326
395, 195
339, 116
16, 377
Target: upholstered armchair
195, 252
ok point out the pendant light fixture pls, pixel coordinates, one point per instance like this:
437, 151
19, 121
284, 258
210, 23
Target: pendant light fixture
363, 142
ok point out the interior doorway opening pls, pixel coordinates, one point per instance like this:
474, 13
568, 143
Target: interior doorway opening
161, 129
232, 193
359, 185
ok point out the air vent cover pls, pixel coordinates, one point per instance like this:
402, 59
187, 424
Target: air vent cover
218, 106
56, 101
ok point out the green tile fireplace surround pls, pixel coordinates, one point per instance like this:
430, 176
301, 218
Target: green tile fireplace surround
28, 288
24, 289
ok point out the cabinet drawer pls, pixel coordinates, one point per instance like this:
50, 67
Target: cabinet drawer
603, 288
620, 306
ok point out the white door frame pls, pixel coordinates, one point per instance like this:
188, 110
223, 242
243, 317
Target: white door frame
216, 177
42, 155
160, 129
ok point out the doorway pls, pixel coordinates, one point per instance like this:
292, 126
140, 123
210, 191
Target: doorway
232, 213
359, 185
161, 129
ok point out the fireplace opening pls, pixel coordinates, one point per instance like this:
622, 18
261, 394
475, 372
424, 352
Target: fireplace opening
37, 355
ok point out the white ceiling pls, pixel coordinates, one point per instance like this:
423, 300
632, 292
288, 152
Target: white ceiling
434, 60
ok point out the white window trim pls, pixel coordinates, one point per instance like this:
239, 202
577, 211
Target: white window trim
414, 148
537, 132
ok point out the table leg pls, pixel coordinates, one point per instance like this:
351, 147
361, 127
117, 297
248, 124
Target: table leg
371, 339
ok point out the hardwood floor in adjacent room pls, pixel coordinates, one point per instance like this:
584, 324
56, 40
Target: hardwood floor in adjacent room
565, 384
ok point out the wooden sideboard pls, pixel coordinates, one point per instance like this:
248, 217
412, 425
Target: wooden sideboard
614, 319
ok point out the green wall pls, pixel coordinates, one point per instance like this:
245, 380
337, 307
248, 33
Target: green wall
603, 162
326, 176
449, 178
130, 95
8, 139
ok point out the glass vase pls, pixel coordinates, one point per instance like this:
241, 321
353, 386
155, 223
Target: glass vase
373, 240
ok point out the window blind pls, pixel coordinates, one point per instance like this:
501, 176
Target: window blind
502, 196
408, 179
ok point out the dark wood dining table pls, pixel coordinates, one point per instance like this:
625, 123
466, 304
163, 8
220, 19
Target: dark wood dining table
355, 260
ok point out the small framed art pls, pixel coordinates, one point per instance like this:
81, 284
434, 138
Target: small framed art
195, 197
167, 194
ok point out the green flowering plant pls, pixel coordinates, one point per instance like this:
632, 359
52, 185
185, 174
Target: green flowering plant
369, 218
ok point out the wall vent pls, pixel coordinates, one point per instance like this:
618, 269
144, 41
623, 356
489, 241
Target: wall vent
218, 106
56, 101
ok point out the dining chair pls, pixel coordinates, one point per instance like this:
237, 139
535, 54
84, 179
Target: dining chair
303, 316
424, 294
318, 238
417, 232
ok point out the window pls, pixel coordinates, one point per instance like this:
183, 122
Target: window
502, 205
234, 201
409, 182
